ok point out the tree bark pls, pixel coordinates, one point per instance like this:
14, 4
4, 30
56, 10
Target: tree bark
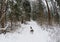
3, 12
49, 16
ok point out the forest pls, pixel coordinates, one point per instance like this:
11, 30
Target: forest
45, 12
29, 20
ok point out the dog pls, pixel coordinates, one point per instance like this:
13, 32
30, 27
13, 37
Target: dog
31, 30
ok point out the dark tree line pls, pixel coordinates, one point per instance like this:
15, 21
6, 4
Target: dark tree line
14, 11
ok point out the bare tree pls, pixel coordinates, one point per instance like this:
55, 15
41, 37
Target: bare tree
3, 12
49, 16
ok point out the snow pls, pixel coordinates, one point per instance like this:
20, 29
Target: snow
33, 0
23, 34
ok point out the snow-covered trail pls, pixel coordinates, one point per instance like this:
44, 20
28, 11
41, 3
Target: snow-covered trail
24, 35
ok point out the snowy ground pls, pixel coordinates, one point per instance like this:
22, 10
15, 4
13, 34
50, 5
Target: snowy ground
23, 34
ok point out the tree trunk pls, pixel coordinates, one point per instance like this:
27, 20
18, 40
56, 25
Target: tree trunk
3, 12
49, 16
